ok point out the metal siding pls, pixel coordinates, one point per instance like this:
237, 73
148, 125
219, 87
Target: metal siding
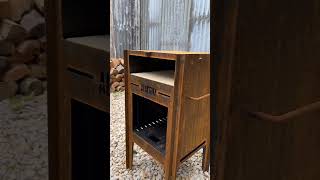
160, 25
200, 26
125, 24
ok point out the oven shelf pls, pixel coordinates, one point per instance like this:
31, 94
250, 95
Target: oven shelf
154, 133
100, 42
164, 77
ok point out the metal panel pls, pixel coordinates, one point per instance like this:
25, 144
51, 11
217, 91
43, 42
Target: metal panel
125, 26
175, 25
200, 26
160, 25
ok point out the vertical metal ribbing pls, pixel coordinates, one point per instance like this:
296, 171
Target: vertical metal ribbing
160, 25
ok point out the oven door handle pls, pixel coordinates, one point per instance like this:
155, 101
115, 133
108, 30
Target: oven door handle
286, 116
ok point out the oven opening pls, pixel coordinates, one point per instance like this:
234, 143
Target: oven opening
88, 141
150, 122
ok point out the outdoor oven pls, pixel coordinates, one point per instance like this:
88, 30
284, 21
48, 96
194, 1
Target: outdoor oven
87, 96
167, 106
85, 51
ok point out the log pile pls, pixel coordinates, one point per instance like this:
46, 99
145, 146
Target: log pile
117, 75
22, 48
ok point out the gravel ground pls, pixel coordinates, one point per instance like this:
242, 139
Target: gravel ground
23, 138
144, 166
24, 144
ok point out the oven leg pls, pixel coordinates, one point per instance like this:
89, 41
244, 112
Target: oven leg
205, 158
129, 153
170, 171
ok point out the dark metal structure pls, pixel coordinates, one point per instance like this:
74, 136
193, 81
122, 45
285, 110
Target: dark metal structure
267, 89
78, 91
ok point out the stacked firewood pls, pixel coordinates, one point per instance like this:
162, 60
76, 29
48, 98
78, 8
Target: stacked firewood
117, 75
22, 48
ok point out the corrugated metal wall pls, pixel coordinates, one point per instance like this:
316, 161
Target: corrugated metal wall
160, 25
125, 26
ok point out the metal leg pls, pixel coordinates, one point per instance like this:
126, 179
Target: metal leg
205, 158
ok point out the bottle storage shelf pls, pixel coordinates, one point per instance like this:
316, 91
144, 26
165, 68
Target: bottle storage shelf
167, 106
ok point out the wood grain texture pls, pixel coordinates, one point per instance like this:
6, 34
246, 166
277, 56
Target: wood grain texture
266, 66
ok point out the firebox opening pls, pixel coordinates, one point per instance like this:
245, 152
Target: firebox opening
150, 122
88, 141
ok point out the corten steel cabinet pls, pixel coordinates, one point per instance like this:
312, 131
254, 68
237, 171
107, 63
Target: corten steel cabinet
78, 45
167, 106
267, 89
87, 102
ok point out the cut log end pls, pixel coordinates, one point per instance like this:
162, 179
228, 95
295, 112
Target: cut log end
31, 86
16, 72
34, 24
120, 69
11, 31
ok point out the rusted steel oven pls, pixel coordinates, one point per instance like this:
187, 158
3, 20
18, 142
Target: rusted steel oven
167, 106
